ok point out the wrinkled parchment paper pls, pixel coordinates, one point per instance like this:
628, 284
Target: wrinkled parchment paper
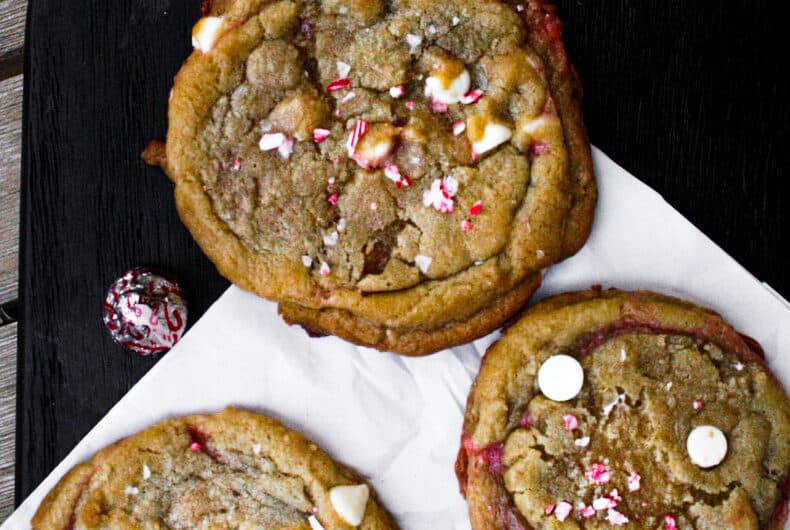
398, 420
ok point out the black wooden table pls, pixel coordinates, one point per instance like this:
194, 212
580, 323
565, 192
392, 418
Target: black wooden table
685, 95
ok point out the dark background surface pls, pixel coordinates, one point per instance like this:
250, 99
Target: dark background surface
685, 95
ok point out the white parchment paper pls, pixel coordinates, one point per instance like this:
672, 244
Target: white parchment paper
398, 420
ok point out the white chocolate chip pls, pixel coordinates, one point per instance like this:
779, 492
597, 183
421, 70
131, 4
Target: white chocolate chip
349, 502
256, 449
131, 490
330, 239
706, 446
494, 134
584, 441
205, 33
423, 263
560, 377
307, 261
459, 86
455, 21
146, 472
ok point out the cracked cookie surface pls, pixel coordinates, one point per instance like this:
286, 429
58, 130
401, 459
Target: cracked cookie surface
234, 469
616, 454
398, 173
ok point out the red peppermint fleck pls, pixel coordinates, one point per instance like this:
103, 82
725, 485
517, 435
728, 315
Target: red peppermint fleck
697, 404
669, 522
549, 508
466, 225
476, 208
571, 423
526, 419
195, 447
598, 473
459, 127
359, 130
562, 510
319, 135
333, 199
492, 456
397, 91
587, 512
313, 510
338, 84
634, 481
404, 182
616, 518
475, 155
236, 165
537, 149
410, 105
471, 97
438, 106
324, 270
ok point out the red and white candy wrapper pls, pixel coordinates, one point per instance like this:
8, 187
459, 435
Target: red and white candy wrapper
145, 311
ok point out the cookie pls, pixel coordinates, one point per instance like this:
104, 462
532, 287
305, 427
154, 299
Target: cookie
234, 469
605, 409
398, 173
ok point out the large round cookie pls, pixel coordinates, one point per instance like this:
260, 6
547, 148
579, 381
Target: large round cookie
624, 451
235, 469
396, 173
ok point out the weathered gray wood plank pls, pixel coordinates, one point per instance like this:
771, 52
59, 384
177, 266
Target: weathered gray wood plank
10, 144
12, 34
7, 417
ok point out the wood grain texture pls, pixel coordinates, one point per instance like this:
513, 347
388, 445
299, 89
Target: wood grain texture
12, 34
10, 156
7, 417
684, 95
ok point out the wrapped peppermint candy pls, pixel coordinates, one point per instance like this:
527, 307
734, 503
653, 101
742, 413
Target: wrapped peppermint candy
145, 311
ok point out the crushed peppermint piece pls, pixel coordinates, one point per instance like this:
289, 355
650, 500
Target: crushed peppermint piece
397, 91
476, 208
520, 8
440, 195
668, 386
449, 186
622, 354
584, 441
455, 21
459, 127
414, 42
271, 141
333, 199
432, 29
314, 523
338, 84
359, 130
587, 512
410, 105
466, 225
738, 366
307, 261
571, 423
438, 106
343, 69
319, 135
195, 447
131, 490
615, 495
697, 404
540, 254
146, 472
341, 225
600, 504
393, 173
330, 239
324, 270
286, 148
548, 509
345, 99
669, 522
236, 165
598, 473
374, 206
562, 510
423, 263
472, 96
616, 518
634, 481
